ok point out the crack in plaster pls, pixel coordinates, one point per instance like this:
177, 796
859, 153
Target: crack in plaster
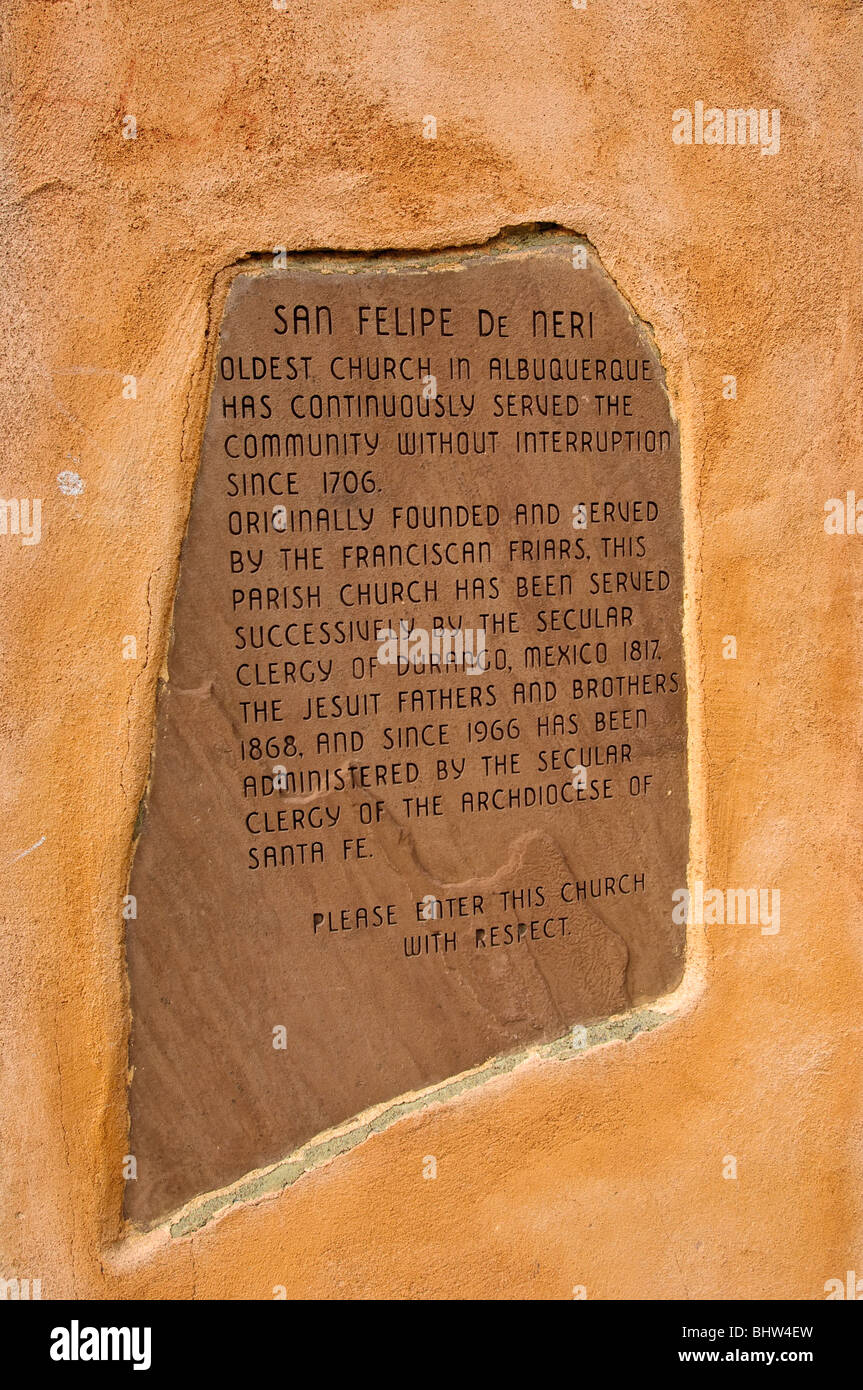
276, 1178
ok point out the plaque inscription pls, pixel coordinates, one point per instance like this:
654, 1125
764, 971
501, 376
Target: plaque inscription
418, 794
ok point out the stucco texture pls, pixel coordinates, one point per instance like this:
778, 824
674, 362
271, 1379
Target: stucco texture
258, 128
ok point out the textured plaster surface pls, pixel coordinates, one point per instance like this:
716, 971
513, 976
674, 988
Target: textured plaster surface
303, 129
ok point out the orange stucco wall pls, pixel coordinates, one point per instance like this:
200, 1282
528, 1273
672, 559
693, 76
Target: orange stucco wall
258, 128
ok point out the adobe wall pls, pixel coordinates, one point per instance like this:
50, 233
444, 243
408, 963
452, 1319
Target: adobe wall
258, 128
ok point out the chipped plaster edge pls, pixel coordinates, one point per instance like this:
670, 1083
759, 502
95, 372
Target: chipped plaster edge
335, 1142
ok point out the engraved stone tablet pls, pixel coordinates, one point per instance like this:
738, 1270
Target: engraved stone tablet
418, 796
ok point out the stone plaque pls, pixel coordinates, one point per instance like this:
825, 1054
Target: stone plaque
418, 795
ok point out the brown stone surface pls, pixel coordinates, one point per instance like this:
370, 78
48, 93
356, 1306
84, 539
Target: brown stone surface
403, 516
258, 129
